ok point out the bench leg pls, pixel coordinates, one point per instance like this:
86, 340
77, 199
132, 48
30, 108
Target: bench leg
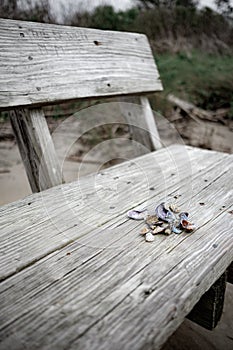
36, 148
230, 274
207, 312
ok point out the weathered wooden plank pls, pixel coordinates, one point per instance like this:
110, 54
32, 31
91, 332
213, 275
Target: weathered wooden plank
44, 63
48, 221
189, 108
129, 295
208, 311
142, 124
36, 148
139, 132
150, 121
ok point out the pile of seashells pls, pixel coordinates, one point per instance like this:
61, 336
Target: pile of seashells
167, 219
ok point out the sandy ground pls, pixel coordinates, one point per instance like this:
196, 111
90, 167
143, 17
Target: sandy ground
14, 185
13, 179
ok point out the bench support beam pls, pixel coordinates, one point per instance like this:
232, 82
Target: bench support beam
207, 312
150, 122
230, 274
142, 126
36, 148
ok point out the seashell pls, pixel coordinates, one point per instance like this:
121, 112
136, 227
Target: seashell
158, 229
166, 206
185, 223
167, 231
174, 208
176, 230
164, 214
184, 215
159, 223
137, 214
152, 221
161, 211
190, 227
149, 237
144, 230
170, 217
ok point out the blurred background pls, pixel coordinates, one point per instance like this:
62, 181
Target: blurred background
192, 42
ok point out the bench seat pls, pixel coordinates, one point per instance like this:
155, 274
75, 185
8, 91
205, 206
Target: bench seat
76, 274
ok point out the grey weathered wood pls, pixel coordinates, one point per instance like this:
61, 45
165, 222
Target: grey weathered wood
138, 129
142, 124
42, 63
208, 311
189, 108
109, 288
36, 148
209, 135
126, 183
150, 121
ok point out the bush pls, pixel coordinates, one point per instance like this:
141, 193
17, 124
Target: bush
39, 11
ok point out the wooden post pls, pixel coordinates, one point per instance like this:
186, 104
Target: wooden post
141, 123
150, 121
36, 148
132, 113
207, 312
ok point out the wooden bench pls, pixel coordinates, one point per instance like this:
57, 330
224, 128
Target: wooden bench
75, 272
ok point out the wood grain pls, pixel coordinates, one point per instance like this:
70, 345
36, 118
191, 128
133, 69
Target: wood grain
134, 116
43, 63
60, 215
109, 288
36, 148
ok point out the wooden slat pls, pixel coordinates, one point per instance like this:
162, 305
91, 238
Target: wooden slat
41, 64
54, 216
110, 289
36, 148
208, 311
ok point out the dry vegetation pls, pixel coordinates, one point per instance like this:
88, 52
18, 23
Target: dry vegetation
193, 47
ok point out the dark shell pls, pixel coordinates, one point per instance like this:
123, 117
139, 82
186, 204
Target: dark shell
164, 214
161, 211
185, 223
176, 230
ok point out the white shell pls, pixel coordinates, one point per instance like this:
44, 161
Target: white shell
137, 215
149, 237
168, 231
158, 229
144, 231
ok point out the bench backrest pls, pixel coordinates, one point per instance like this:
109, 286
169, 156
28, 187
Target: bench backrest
42, 64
